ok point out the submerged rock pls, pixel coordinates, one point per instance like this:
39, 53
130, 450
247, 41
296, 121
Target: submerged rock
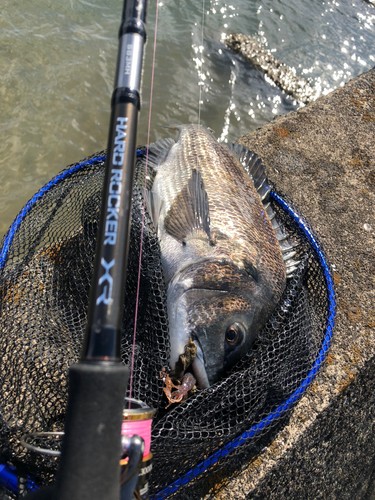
283, 76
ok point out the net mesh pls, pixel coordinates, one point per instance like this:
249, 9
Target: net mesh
46, 265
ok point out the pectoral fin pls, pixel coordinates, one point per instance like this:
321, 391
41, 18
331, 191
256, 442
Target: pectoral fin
189, 212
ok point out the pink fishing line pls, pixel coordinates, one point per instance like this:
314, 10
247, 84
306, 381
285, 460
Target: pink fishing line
144, 198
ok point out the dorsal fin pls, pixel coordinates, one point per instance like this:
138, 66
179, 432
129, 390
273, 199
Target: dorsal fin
287, 245
257, 172
154, 205
253, 167
158, 151
189, 212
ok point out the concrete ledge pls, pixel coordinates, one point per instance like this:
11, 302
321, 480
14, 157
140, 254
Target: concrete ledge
323, 158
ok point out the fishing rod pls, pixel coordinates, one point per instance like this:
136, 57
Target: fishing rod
91, 450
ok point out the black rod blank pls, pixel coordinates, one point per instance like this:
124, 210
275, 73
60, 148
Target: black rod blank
89, 466
102, 339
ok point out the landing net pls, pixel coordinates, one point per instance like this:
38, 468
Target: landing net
46, 263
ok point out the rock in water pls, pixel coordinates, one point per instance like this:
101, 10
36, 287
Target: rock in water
284, 76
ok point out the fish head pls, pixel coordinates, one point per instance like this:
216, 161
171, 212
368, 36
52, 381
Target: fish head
222, 309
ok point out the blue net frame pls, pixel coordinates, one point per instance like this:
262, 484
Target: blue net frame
281, 409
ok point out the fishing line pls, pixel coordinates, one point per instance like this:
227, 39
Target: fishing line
144, 205
201, 82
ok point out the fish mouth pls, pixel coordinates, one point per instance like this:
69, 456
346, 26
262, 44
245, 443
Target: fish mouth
209, 361
189, 318
208, 315
181, 324
207, 370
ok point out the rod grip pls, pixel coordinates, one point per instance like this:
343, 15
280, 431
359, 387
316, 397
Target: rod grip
89, 468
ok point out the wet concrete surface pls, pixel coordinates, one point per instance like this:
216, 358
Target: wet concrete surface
323, 158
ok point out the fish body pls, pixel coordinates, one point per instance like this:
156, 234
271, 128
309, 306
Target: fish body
221, 258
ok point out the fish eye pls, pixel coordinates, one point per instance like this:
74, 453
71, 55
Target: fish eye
234, 334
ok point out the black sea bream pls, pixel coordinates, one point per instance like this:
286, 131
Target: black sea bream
222, 261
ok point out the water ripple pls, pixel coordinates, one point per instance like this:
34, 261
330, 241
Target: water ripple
57, 63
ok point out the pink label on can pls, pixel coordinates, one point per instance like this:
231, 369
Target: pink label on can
141, 428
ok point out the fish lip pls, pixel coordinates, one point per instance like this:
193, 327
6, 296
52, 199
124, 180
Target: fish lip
199, 367
199, 363
200, 354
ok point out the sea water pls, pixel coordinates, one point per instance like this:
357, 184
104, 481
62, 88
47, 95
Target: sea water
57, 65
